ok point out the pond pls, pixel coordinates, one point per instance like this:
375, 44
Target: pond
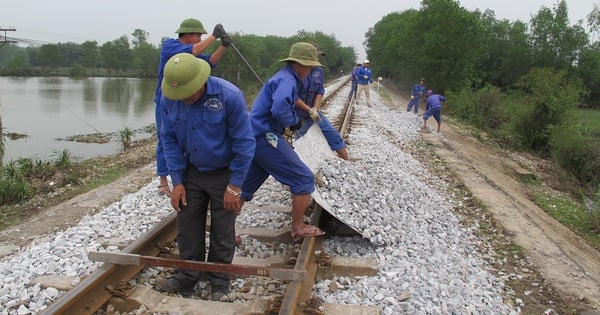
49, 110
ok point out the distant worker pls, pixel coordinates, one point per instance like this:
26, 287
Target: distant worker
273, 112
307, 107
208, 145
353, 79
416, 93
365, 78
190, 41
434, 108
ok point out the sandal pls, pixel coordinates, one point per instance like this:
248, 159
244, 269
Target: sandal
164, 190
306, 230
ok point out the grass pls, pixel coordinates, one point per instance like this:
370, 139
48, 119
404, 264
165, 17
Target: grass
64, 178
592, 117
567, 211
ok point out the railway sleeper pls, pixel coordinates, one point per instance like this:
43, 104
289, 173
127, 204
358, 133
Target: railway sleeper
328, 268
156, 302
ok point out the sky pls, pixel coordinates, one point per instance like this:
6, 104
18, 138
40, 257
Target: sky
348, 20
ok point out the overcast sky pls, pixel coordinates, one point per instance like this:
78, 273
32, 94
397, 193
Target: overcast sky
105, 20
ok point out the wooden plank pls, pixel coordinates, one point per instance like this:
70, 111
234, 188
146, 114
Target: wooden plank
134, 259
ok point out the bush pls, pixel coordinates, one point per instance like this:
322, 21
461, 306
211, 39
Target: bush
571, 150
549, 99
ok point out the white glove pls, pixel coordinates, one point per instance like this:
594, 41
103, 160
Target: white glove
412, 97
365, 76
314, 114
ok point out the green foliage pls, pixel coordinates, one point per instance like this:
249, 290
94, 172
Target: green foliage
589, 70
574, 150
126, 137
479, 108
146, 59
549, 100
62, 158
13, 190
593, 206
77, 71
14, 186
571, 214
508, 56
442, 42
555, 43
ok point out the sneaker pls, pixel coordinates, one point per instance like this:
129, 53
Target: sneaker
171, 285
219, 293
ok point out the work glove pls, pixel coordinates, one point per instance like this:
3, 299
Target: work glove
314, 114
296, 126
226, 40
219, 31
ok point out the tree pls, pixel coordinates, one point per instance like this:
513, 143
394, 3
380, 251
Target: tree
508, 51
49, 56
393, 44
116, 54
140, 37
589, 69
146, 59
90, 56
550, 99
555, 43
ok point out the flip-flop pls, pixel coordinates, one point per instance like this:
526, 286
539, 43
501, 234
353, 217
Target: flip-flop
306, 230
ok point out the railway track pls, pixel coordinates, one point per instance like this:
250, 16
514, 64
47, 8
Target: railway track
111, 284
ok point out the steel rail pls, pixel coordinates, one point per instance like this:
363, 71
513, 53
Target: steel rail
298, 292
91, 293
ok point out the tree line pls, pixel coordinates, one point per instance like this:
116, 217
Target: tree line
138, 58
455, 47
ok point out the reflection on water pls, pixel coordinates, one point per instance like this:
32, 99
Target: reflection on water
49, 108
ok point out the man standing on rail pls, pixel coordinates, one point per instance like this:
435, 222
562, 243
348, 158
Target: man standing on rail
273, 112
353, 79
208, 144
307, 107
190, 41
365, 78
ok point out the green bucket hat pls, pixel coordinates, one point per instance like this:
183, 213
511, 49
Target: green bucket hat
304, 54
184, 75
191, 26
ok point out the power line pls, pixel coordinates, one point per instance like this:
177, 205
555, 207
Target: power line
4, 40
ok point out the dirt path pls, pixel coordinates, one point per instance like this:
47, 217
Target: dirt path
563, 258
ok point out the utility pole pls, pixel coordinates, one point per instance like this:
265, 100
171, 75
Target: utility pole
4, 39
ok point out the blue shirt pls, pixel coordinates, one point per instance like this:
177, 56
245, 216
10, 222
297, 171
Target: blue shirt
273, 109
361, 73
435, 101
170, 48
211, 134
418, 90
311, 86
354, 75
